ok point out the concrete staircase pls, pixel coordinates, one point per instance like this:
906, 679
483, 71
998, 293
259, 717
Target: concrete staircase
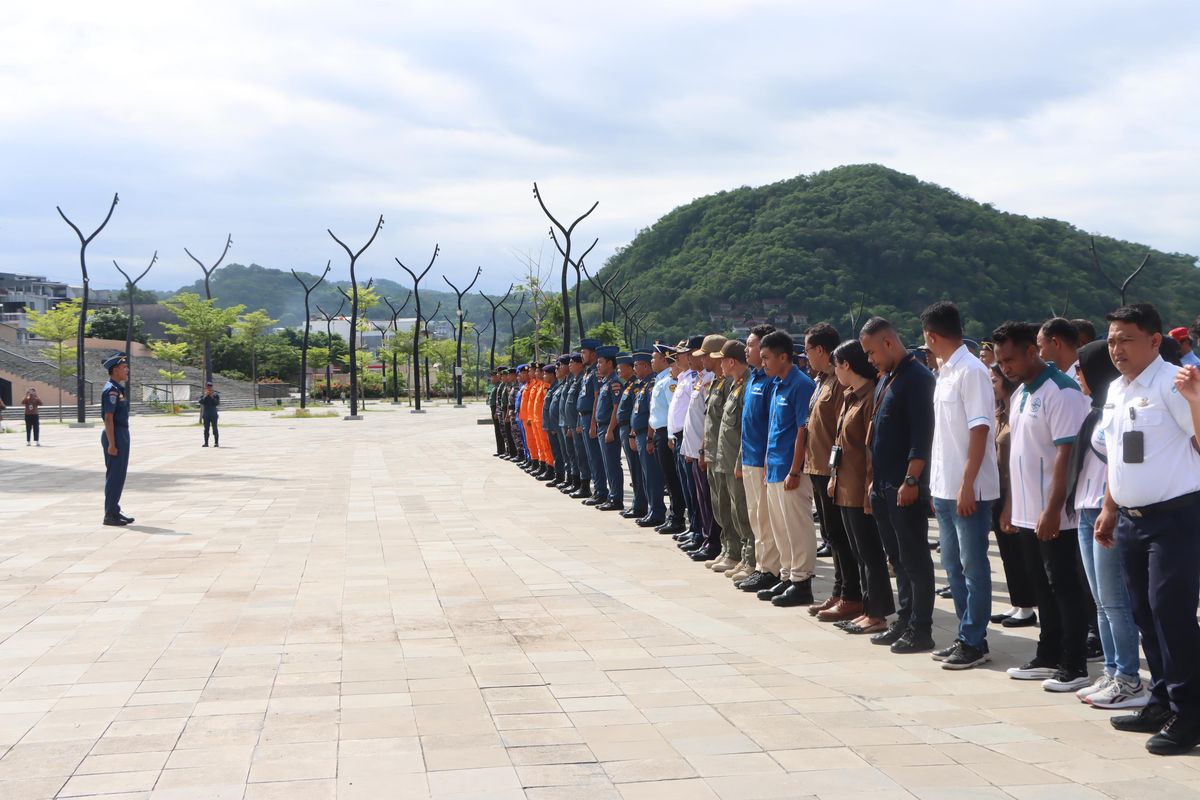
27, 362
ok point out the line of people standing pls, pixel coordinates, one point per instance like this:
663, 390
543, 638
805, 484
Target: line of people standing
1080, 457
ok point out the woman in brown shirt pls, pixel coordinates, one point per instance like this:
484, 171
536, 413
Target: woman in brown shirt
851, 470
33, 422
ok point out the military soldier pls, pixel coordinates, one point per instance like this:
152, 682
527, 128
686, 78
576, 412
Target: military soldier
587, 423
604, 422
652, 479
723, 468
114, 408
625, 433
495, 390
578, 437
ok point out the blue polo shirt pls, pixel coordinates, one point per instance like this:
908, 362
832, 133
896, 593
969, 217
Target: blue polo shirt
789, 413
756, 411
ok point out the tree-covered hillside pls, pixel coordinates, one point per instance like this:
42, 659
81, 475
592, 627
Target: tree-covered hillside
280, 295
810, 248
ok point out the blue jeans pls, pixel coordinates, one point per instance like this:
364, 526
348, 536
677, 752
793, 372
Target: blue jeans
1118, 631
964, 542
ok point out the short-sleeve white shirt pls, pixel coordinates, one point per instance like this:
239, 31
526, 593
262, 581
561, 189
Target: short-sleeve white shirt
693, 427
1150, 403
1043, 415
962, 400
681, 395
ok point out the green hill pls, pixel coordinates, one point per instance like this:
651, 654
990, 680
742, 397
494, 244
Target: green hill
278, 292
810, 248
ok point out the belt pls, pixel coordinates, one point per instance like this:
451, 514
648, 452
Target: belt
1182, 501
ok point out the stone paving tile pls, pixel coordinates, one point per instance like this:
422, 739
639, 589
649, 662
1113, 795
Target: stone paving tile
325, 609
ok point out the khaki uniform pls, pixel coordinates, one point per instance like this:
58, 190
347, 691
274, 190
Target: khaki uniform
735, 516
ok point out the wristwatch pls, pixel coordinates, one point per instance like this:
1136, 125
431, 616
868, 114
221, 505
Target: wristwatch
909, 480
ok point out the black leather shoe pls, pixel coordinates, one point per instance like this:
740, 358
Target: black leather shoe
690, 542
672, 528
630, 513
1177, 737
649, 522
1013, 622
125, 519
705, 554
912, 642
774, 591
584, 490
799, 593
891, 635
1147, 719
116, 522
758, 581
610, 506
824, 551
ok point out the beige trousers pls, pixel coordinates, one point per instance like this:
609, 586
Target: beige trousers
765, 551
791, 514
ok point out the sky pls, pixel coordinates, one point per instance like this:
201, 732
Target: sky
275, 121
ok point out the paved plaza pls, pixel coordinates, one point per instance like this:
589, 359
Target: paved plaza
381, 609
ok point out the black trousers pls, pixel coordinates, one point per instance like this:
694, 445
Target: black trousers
1160, 560
666, 460
216, 434
499, 436
847, 584
904, 531
878, 600
1012, 556
33, 427
1055, 570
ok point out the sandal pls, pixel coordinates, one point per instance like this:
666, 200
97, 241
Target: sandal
876, 627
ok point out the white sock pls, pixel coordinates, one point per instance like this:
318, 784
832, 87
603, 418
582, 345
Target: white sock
1023, 613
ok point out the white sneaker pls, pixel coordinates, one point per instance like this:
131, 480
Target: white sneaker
1100, 685
1121, 693
1066, 681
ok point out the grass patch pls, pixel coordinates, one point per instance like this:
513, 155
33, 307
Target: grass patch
306, 413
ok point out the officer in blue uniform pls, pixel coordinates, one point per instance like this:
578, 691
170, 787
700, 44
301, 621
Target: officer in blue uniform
652, 477
567, 473
578, 439
114, 408
628, 442
522, 378
604, 422
550, 424
587, 424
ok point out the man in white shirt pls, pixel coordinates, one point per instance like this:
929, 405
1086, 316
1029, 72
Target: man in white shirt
965, 480
1152, 514
663, 362
693, 448
677, 413
1058, 344
1045, 414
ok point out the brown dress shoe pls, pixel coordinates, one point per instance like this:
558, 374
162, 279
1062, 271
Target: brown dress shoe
845, 609
817, 608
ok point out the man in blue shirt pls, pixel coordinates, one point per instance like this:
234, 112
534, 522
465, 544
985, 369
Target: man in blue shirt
900, 439
582, 487
587, 423
604, 423
663, 364
789, 490
625, 435
756, 407
652, 478
114, 409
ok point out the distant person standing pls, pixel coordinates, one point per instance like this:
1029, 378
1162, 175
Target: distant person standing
1058, 344
114, 408
209, 413
1187, 357
33, 422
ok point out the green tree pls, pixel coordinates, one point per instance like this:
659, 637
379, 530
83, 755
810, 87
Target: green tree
113, 323
252, 326
173, 353
608, 333
58, 326
201, 322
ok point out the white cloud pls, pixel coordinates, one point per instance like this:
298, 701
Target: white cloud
276, 120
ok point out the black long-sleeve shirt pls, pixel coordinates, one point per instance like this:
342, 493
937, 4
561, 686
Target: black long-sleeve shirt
208, 405
903, 424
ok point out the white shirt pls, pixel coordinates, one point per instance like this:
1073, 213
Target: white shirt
693, 428
677, 410
1042, 414
1093, 475
1190, 359
660, 398
1150, 403
962, 401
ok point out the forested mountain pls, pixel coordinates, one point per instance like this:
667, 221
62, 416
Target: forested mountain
278, 292
810, 248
